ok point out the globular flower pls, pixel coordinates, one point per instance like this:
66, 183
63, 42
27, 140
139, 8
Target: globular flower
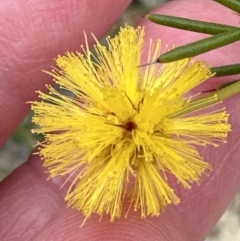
125, 129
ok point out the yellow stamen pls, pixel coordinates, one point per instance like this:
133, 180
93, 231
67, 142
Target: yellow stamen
125, 129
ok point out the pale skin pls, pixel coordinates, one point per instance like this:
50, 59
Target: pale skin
32, 208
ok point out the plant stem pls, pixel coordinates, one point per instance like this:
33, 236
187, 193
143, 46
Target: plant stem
210, 99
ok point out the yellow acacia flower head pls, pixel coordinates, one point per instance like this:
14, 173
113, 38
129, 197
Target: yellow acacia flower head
118, 135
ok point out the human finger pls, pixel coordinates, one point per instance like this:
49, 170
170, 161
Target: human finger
32, 34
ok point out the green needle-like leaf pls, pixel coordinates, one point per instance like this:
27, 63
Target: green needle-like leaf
232, 4
190, 25
199, 47
226, 70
